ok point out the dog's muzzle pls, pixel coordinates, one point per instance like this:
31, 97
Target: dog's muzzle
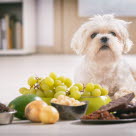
104, 47
104, 41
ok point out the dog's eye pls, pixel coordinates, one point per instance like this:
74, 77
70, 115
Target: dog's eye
93, 35
113, 33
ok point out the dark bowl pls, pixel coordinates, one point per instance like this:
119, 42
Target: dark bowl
70, 112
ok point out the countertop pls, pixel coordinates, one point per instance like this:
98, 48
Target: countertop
67, 128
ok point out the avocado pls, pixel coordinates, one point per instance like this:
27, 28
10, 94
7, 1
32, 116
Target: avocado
20, 103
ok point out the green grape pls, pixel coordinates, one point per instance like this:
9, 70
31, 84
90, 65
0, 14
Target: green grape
32, 91
59, 93
31, 81
39, 93
24, 90
57, 83
79, 85
76, 95
89, 87
73, 88
86, 93
62, 84
49, 93
53, 75
49, 81
96, 92
97, 86
60, 88
44, 87
68, 82
51, 87
104, 91
61, 78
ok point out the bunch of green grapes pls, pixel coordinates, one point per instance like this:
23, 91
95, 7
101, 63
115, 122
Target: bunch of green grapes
94, 90
52, 86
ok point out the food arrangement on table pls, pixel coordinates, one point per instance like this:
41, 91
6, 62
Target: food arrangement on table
54, 98
120, 110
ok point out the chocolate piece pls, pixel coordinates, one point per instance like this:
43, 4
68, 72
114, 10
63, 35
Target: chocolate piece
118, 104
127, 116
128, 108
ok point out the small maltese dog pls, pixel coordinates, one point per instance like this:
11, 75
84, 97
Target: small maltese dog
102, 41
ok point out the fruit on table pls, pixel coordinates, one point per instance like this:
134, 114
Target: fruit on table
39, 93
59, 93
104, 91
76, 95
89, 87
53, 85
24, 90
44, 87
96, 92
32, 91
53, 75
31, 80
73, 89
33, 109
74, 92
86, 93
47, 100
49, 81
68, 82
61, 78
57, 83
80, 86
49, 115
39, 111
20, 103
97, 86
94, 103
60, 88
49, 93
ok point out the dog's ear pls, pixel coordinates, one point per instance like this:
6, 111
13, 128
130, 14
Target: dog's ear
127, 45
79, 40
127, 42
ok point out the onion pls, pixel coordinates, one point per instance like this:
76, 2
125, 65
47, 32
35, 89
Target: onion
49, 115
33, 110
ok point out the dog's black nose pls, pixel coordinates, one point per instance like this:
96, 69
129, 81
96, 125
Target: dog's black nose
104, 39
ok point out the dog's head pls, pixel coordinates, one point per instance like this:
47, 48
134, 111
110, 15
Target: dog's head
102, 37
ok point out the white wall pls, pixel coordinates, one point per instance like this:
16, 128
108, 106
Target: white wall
118, 7
45, 22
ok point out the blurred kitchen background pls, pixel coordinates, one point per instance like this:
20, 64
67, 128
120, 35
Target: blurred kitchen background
35, 37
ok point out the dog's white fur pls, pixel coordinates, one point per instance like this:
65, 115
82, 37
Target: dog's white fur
105, 67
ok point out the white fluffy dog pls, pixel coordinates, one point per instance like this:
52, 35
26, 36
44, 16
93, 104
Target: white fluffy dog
102, 41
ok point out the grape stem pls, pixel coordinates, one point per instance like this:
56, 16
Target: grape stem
36, 86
